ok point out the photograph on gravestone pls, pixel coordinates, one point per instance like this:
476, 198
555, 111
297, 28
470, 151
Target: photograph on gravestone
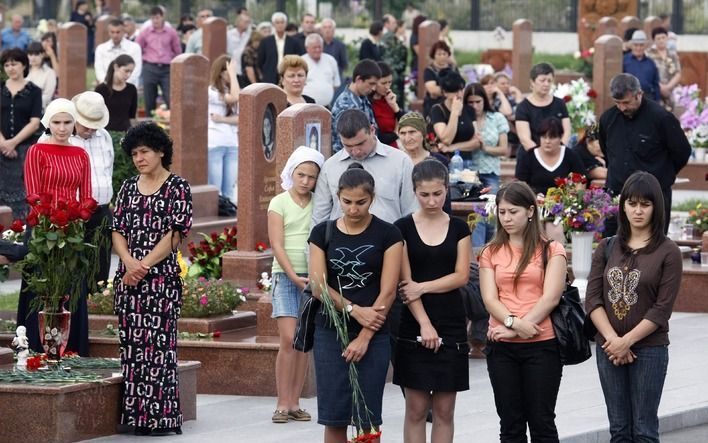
269, 133
312, 131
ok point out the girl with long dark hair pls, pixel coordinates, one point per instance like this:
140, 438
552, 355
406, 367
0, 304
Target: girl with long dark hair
120, 96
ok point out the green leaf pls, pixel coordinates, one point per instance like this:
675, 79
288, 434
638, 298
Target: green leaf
51, 244
74, 239
51, 235
61, 244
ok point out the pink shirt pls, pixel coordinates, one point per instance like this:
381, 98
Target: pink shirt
59, 171
529, 288
159, 46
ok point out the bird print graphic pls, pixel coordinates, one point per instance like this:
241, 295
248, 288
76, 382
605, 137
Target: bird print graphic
346, 266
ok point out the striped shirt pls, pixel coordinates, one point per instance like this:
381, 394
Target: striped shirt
58, 170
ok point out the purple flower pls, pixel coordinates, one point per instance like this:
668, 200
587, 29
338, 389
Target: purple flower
557, 209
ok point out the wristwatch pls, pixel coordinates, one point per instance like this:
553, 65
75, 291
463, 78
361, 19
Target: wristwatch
509, 321
349, 308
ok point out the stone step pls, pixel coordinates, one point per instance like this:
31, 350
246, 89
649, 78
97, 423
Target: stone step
222, 323
237, 363
77, 411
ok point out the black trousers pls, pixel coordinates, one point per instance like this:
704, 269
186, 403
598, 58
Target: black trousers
525, 378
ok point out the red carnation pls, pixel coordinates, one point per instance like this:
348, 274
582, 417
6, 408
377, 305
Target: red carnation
592, 93
33, 363
260, 246
567, 98
17, 226
216, 334
233, 230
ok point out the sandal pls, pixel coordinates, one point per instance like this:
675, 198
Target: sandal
299, 415
280, 416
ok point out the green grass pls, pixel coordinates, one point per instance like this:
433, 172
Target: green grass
8, 301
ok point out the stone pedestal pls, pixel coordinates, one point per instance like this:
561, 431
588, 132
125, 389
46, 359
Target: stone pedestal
692, 293
704, 242
497, 58
522, 54
302, 124
213, 38
607, 62
112, 7
72, 59
244, 268
101, 34
75, 412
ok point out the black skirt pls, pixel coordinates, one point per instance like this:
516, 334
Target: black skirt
417, 367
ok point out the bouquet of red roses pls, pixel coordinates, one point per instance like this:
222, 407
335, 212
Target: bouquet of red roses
59, 260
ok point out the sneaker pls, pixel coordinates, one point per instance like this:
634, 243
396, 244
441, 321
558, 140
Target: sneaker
280, 416
299, 415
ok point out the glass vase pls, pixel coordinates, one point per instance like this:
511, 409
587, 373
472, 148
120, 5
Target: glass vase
54, 328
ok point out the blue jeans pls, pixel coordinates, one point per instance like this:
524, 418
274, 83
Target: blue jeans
484, 231
633, 392
223, 169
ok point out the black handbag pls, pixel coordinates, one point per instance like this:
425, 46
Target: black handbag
568, 320
589, 328
472, 296
304, 337
226, 207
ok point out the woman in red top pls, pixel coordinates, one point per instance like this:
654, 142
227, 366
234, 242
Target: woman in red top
63, 171
386, 109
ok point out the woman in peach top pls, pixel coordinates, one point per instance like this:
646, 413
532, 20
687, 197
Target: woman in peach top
523, 359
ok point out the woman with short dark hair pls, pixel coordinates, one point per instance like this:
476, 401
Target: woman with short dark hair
370, 47
440, 56
630, 297
21, 109
153, 214
550, 160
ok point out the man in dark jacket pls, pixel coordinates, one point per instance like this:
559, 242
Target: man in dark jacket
639, 135
274, 47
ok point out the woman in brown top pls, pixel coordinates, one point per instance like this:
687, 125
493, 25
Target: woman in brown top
630, 298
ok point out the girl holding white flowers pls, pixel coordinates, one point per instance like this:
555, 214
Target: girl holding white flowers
289, 215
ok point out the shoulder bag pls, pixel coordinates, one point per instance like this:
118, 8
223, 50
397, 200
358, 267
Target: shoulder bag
589, 328
305, 330
568, 319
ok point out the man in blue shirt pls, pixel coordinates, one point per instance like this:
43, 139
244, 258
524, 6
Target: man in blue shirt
639, 65
14, 36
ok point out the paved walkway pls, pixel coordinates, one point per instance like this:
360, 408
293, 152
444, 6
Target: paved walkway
580, 410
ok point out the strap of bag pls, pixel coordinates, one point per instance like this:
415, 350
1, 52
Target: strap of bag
328, 233
545, 260
608, 247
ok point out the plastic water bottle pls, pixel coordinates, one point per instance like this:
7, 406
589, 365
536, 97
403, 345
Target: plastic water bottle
456, 166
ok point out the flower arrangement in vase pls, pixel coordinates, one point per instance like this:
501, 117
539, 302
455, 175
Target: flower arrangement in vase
58, 264
579, 98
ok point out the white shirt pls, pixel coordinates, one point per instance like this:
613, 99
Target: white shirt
236, 43
322, 78
106, 52
101, 155
46, 79
280, 46
219, 134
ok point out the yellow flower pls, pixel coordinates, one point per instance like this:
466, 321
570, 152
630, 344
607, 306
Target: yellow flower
182, 265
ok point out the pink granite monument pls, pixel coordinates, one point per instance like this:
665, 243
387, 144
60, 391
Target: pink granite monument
607, 62
213, 38
72, 59
258, 178
189, 80
102, 29
428, 34
522, 54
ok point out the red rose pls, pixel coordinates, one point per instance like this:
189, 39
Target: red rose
90, 204
62, 204
46, 199
216, 334
592, 93
84, 214
32, 199
567, 98
33, 218
233, 230
260, 246
214, 236
59, 218
33, 363
17, 226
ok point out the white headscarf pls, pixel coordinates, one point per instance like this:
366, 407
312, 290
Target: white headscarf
299, 156
57, 106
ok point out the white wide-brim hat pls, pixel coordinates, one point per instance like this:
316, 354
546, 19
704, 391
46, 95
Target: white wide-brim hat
91, 110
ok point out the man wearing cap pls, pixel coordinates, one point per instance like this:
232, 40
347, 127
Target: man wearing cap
639, 65
91, 119
640, 135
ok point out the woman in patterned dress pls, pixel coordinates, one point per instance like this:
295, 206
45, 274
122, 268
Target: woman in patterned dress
153, 214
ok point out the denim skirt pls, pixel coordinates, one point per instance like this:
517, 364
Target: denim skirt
334, 391
286, 296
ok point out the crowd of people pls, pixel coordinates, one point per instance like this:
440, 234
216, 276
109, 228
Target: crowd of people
372, 226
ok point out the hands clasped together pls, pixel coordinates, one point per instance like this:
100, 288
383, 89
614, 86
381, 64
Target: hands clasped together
521, 328
135, 270
618, 350
369, 317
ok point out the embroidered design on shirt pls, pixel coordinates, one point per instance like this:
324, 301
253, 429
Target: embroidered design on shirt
346, 266
623, 290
